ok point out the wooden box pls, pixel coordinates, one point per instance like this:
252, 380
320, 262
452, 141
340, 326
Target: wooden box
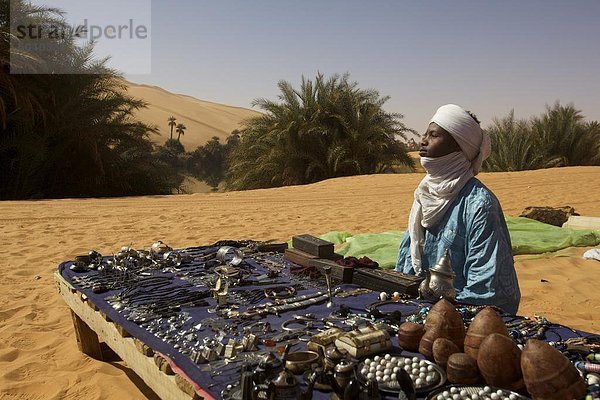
384, 280
298, 257
313, 245
364, 341
324, 339
338, 272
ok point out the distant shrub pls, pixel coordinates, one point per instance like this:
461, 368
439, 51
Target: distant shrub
558, 138
324, 129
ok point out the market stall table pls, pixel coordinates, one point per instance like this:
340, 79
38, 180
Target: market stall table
161, 315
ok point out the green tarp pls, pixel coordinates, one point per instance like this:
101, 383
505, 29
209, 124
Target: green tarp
527, 237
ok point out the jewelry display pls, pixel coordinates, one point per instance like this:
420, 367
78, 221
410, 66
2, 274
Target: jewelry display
223, 308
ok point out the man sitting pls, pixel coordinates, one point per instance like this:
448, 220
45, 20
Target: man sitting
452, 209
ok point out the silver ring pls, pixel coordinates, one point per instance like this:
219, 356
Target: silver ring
237, 259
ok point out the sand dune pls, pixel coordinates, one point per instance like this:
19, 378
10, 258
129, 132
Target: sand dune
203, 119
38, 353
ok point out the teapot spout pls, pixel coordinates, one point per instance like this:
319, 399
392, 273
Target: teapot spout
307, 395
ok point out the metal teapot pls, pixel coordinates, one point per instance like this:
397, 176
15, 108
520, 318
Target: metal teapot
342, 375
439, 282
268, 368
284, 387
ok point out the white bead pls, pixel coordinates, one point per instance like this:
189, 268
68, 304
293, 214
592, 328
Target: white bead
446, 394
368, 361
430, 368
415, 371
394, 377
592, 379
394, 360
383, 296
495, 396
387, 371
379, 373
440, 397
423, 369
388, 357
422, 375
487, 389
453, 390
415, 359
395, 370
429, 379
512, 396
383, 361
463, 393
474, 396
419, 382
500, 392
396, 294
373, 369
370, 375
379, 368
364, 371
422, 363
377, 358
482, 392
407, 368
386, 378
456, 396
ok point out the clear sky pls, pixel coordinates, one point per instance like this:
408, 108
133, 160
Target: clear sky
488, 56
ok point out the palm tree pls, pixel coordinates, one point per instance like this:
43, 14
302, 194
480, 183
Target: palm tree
180, 130
70, 135
326, 128
565, 138
514, 147
557, 138
172, 124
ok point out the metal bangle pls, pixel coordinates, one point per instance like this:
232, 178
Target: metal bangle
238, 255
273, 293
306, 324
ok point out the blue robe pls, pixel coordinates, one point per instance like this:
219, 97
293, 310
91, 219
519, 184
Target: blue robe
474, 230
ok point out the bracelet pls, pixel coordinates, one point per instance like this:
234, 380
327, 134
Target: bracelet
373, 310
237, 259
306, 324
280, 293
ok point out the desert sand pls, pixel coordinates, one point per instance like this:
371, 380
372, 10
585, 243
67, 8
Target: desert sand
39, 358
202, 118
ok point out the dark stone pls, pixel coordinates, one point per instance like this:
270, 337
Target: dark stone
556, 216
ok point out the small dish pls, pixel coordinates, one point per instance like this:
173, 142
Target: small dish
300, 361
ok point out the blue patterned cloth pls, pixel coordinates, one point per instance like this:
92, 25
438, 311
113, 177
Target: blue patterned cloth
474, 230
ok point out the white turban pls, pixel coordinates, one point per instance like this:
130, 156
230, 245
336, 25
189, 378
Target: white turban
473, 141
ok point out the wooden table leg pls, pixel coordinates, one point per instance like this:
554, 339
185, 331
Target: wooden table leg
87, 339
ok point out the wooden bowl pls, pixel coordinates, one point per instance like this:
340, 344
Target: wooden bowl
462, 369
486, 322
500, 362
409, 335
548, 374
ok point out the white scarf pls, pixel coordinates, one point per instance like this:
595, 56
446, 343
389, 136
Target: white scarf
446, 175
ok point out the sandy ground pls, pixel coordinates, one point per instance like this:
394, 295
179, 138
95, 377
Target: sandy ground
203, 119
38, 353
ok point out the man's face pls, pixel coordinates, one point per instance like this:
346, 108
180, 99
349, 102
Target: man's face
436, 142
